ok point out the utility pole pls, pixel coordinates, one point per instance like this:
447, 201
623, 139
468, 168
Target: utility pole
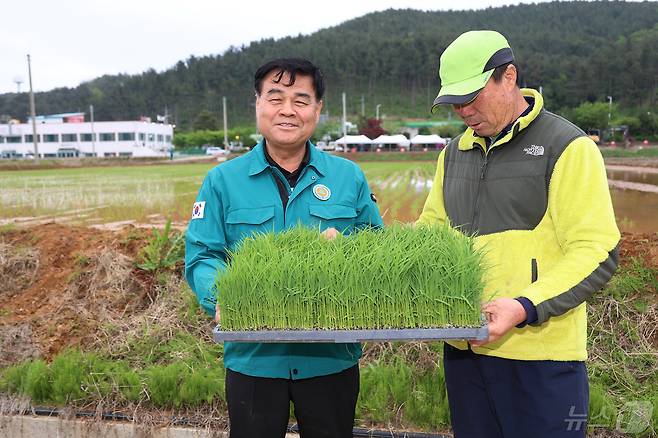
377, 111
609, 108
33, 111
225, 125
344, 116
93, 134
363, 106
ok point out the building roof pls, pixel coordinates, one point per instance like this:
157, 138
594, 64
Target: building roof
58, 116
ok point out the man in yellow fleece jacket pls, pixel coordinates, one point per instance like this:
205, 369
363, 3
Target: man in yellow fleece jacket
532, 188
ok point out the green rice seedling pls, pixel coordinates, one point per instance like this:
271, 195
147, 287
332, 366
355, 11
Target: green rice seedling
398, 277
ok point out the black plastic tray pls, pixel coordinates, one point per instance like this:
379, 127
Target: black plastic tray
341, 336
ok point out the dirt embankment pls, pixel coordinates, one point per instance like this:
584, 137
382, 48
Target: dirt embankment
59, 284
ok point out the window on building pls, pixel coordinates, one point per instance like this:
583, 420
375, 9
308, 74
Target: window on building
160, 138
28, 138
50, 138
125, 154
2, 139
142, 136
108, 136
86, 137
73, 138
168, 138
14, 139
151, 137
126, 136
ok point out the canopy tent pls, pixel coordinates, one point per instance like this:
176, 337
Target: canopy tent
354, 139
428, 139
398, 139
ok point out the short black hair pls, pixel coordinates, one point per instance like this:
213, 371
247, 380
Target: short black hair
292, 66
500, 71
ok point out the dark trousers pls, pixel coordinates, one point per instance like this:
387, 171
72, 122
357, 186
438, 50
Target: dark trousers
491, 397
259, 407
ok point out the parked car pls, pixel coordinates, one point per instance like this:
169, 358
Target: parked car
323, 146
216, 150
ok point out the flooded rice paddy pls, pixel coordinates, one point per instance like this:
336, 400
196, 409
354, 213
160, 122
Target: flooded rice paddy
150, 195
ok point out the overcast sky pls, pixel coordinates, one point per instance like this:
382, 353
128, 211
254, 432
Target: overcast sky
72, 41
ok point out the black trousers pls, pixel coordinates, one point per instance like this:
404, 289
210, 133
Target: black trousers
259, 407
491, 397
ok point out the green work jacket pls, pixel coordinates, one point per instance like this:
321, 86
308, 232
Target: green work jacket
240, 197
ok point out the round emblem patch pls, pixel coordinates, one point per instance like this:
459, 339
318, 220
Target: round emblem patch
321, 192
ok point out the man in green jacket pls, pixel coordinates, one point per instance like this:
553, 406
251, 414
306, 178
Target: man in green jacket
532, 188
282, 182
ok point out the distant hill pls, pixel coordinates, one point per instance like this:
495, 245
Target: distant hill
576, 51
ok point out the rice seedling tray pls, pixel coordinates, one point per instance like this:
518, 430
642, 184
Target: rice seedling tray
343, 336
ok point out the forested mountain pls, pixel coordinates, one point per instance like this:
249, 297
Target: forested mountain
576, 51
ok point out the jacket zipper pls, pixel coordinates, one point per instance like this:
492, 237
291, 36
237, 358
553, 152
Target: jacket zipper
483, 171
281, 183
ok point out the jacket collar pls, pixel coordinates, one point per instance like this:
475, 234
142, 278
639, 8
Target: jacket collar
259, 163
469, 139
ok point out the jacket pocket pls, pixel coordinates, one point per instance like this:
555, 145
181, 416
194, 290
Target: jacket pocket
338, 216
244, 222
533, 269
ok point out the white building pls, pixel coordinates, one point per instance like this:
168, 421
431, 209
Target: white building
67, 135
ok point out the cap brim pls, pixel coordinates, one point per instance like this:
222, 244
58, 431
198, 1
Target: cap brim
449, 99
462, 92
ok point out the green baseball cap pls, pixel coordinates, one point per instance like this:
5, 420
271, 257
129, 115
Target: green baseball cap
467, 64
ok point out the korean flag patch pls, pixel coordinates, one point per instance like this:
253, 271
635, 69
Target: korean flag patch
197, 210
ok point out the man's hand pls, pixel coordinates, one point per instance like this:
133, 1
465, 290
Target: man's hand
217, 317
502, 314
330, 233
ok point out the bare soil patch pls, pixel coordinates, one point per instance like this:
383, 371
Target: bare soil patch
72, 279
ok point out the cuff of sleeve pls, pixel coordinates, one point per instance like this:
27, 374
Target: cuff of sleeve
530, 311
204, 282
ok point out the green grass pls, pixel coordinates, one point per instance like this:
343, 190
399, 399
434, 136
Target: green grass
622, 345
645, 152
398, 277
77, 378
402, 395
393, 156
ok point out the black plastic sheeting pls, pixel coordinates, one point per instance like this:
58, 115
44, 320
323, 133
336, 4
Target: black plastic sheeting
357, 432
